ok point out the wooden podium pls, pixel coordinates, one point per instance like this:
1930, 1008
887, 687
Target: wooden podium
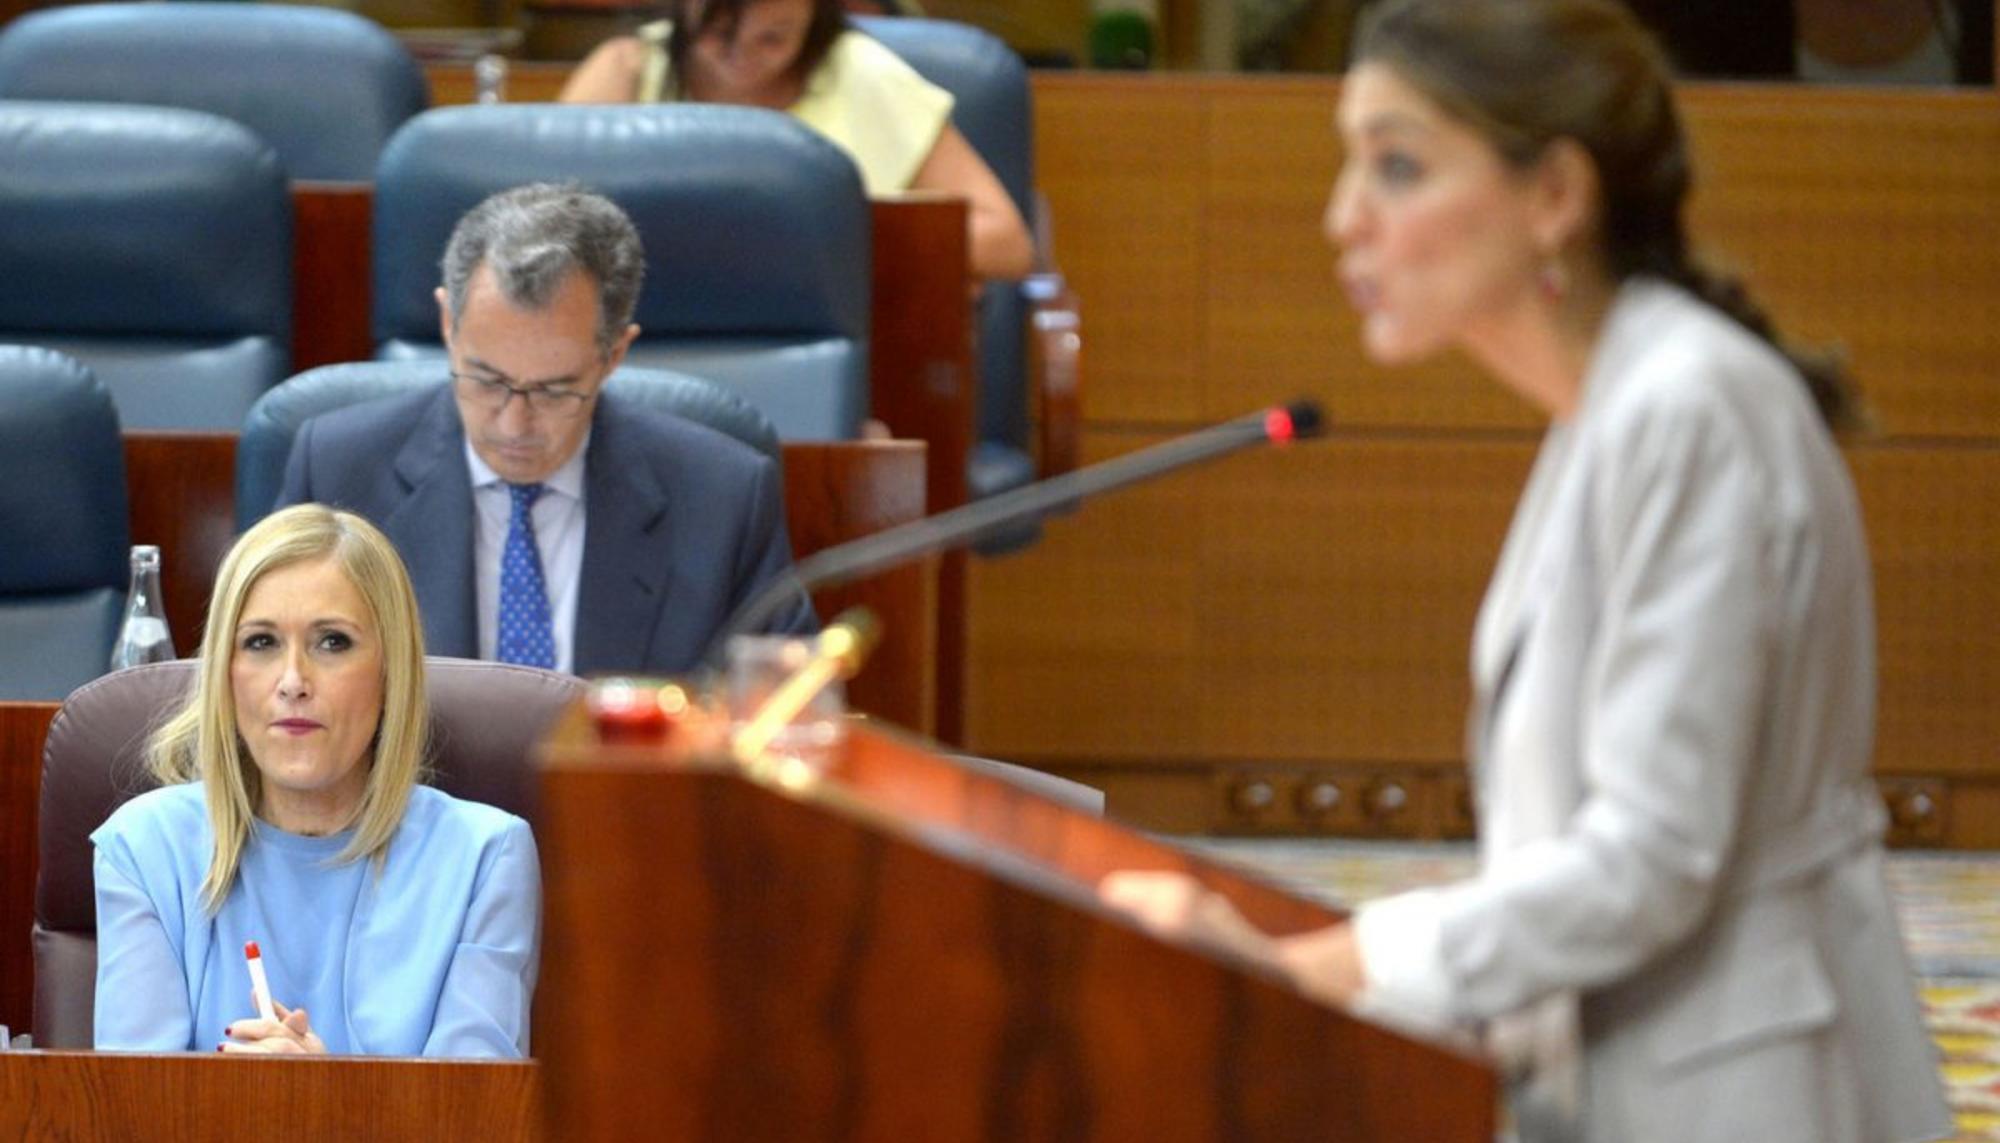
907, 949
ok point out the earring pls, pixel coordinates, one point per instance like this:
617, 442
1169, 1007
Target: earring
1553, 277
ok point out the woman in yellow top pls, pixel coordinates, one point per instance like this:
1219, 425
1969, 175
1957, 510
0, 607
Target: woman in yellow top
799, 56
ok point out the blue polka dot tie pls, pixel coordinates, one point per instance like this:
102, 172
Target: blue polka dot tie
526, 635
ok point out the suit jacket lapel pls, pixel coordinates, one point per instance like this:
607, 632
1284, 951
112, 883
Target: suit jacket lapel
432, 528
627, 539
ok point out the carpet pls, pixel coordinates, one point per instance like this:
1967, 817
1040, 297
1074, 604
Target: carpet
1949, 905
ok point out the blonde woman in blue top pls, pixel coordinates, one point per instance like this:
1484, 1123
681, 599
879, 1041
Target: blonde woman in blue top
393, 919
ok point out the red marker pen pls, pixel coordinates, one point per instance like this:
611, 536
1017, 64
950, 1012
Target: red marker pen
260, 985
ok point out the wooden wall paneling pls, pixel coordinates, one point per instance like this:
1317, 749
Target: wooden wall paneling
331, 273
1339, 583
182, 489
1273, 301
1120, 161
1277, 323
125, 1095
1933, 517
23, 726
1088, 645
1861, 216
1865, 219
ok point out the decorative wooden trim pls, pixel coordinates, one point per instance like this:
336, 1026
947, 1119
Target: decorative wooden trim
23, 726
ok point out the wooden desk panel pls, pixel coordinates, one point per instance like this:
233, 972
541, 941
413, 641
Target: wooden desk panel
840, 492
332, 273
1306, 614
86, 1095
922, 384
23, 726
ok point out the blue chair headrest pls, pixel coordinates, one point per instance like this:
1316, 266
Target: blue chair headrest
62, 477
142, 221
275, 419
988, 83
753, 223
324, 88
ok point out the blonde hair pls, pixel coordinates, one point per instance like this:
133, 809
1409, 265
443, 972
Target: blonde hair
200, 742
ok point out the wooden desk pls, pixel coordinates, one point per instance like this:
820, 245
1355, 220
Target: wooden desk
86, 1095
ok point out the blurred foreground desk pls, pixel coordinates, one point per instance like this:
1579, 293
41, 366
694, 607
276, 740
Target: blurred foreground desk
910, 950
115, 1096
907, 951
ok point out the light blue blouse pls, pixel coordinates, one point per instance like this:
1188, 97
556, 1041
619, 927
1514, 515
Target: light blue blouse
435, 955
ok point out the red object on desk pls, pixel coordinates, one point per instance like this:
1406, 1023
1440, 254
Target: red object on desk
636, 709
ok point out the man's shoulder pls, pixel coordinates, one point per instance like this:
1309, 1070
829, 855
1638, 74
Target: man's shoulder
677, 440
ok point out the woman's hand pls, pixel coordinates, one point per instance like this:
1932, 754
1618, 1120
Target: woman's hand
290, 1034
1175, 904
1325, 963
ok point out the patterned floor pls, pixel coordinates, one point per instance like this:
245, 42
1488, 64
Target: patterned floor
1949, 905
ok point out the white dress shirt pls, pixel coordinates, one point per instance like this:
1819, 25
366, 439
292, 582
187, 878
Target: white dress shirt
558, 515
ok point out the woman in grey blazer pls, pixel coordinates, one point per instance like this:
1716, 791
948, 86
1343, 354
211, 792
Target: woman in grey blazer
1680, 930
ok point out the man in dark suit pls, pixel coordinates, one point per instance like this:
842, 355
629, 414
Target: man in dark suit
543, 521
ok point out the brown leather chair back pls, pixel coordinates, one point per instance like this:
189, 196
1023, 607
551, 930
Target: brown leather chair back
485, 719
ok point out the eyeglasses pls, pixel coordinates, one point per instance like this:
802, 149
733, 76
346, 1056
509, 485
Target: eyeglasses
493, 394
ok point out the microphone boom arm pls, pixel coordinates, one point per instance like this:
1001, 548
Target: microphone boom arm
966, 524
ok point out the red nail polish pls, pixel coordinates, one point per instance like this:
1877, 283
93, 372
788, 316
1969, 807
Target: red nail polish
218, 1047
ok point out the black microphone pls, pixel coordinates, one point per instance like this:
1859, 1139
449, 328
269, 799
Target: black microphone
969, 523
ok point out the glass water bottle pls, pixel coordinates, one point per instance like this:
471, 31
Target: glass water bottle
144, 637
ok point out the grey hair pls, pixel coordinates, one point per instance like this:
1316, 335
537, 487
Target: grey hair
533, 236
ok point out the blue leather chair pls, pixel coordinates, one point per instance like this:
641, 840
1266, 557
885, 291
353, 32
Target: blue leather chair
993, 110
63, 565
268, 432
154, 245
757, 233
324, 88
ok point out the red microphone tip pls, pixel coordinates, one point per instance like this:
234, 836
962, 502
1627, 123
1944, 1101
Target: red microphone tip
1278, 426
250, 950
